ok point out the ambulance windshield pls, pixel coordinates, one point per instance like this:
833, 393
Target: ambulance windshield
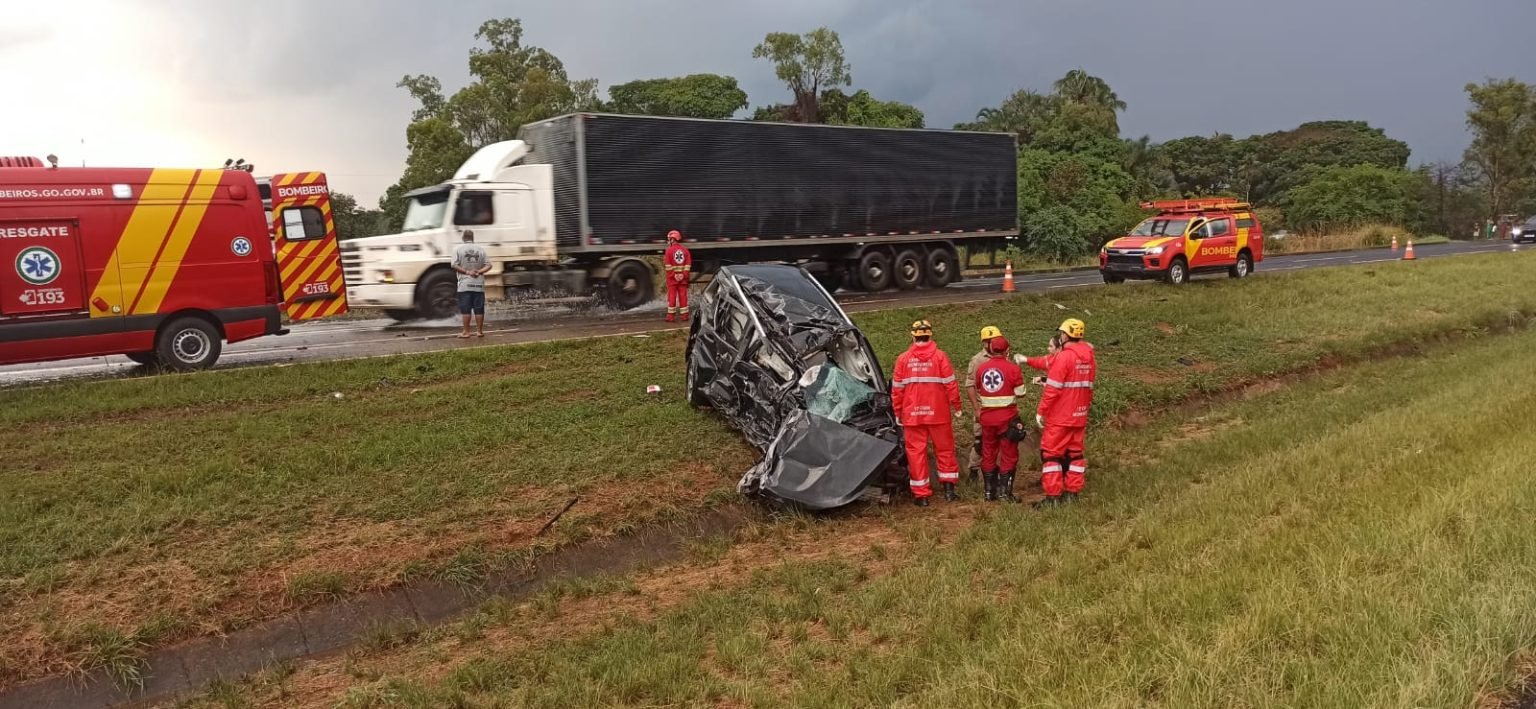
426, 211
1161, 227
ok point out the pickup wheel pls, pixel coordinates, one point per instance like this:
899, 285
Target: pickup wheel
874, 272
187, 344
439, 296
908, 269
629, 286
1178, 271
1113, 279
942, 267
1243, 267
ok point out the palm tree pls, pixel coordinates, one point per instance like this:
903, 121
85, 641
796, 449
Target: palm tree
1079, 86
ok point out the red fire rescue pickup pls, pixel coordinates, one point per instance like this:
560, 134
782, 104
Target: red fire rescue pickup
161, 265
1187, 236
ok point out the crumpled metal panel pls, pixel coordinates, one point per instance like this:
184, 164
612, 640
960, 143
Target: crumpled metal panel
765, 353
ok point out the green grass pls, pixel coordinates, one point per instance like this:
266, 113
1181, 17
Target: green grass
226, 474
1361, 539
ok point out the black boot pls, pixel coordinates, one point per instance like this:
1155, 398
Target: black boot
1046, 502
991, 480
920, 501
949, 492
1005, 487
1068, 498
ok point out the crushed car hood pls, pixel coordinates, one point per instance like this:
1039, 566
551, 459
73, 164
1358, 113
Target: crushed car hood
798, 380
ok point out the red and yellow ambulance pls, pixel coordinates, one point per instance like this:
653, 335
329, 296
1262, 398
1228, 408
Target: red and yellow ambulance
161, 265
1187, 237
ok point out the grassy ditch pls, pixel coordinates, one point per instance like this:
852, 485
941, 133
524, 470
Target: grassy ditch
1358, 539
156, 508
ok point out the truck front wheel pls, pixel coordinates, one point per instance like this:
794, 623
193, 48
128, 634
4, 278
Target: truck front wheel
439, 296
401, 315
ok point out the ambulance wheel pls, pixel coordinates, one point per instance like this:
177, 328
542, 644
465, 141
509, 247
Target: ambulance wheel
187, 344
439, 296
147, 359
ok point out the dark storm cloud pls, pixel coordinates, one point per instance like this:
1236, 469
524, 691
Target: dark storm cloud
1185, 66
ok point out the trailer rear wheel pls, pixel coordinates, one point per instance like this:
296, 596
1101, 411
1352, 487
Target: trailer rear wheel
874, 272
942, 268
908, 270
629, 286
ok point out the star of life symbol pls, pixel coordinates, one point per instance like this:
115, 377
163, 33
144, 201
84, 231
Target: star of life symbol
677, 257
241, 246
37, 265
992, 381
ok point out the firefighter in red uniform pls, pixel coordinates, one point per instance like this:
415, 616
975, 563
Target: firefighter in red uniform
678, 263
1063, 415
927, 400
999, 382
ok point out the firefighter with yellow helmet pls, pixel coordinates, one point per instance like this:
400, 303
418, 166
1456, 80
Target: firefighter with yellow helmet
926, 399
1063, 414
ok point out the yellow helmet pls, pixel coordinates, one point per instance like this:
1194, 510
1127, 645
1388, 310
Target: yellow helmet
1072, 327
922, 328
990, 332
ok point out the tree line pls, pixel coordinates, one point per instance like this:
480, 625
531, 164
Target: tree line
1080, 181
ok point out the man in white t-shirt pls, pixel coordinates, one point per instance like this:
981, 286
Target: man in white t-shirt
471, 263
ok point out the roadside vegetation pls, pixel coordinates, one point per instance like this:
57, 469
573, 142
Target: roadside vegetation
156, 508
1356, 539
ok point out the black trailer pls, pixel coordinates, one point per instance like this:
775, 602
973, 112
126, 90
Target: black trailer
872, 207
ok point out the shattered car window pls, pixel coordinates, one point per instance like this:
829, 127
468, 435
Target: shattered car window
776, 357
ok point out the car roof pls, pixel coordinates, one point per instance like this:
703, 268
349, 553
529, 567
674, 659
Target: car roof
790, 280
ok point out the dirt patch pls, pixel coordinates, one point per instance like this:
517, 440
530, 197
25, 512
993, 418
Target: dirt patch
1148, 375
1198, 430
1167, 328
877, 541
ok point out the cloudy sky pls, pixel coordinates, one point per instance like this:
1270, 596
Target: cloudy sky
296, 84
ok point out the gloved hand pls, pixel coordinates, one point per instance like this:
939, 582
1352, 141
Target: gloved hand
959, 414
1040, 421
1038, 381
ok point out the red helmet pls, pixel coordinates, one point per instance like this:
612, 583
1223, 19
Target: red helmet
998, 345
674, 235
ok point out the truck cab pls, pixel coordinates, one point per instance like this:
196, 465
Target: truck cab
507, 205
1185, 238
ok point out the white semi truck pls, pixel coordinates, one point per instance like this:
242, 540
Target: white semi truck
577, 203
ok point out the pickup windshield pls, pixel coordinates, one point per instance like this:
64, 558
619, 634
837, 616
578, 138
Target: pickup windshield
426, 211
1161, 227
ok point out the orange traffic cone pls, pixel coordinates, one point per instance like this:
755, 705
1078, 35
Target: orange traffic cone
1408, 253
1394, 243
1008, 277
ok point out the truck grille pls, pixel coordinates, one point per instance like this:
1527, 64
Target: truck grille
1125, 260
352, 264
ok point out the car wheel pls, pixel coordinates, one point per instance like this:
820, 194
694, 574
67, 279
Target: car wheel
874, 272
1178, 272
907, 270
942, 267
629, 286
1243, 267
148, 359
406, 315
439, 296
187, 344
1113, 279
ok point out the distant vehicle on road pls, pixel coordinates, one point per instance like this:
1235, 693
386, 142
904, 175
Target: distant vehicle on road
577, 204
1524, 233
163, 266
1185, 238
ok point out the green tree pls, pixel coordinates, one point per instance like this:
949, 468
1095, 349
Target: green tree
1204, 166
1503, 150
692, 96
512, 84
862, 109
1024, 114
1451, 200
352, 222
809, 64
1280, 161
1345, 197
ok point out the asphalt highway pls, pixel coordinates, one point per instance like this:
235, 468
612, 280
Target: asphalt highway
347, 339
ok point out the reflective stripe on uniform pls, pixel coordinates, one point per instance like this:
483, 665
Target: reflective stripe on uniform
925, 380
949, 477
1051, 467
1076, 468
918, 483
1068, 385
995, 402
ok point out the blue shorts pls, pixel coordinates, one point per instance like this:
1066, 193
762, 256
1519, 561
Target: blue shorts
471, 302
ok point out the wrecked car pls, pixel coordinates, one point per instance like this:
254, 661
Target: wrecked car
774, 354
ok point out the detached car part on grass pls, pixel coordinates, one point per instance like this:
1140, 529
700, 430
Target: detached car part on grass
774, 354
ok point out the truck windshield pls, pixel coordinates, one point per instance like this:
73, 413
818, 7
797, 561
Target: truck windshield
1161, 227
426, 211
